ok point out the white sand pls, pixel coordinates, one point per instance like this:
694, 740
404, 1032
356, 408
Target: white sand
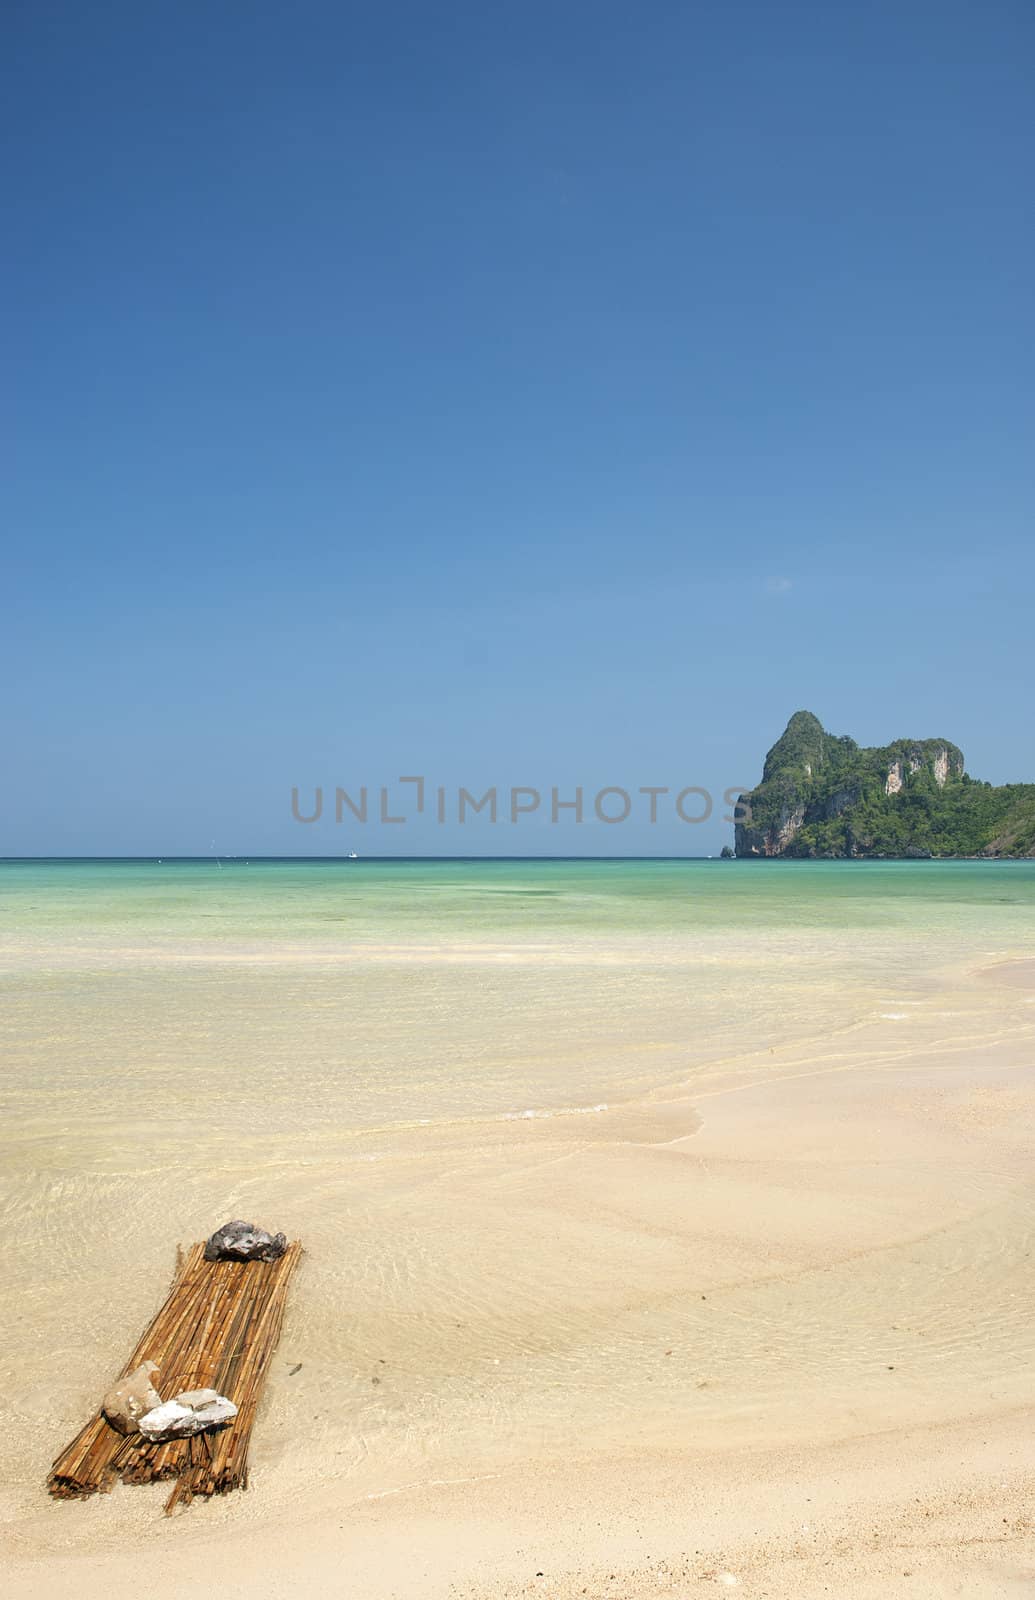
775, 1328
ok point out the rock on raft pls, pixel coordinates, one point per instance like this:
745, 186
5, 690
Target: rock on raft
243, 1241
131, 1398
190, 1412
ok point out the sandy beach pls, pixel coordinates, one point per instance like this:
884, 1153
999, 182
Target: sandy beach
764, 1327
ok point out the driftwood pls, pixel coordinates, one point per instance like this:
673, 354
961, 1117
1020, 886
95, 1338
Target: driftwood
218, 1329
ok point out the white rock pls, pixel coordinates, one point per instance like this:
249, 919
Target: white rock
199, 1397
168, 1421
191, 1412
211, 1412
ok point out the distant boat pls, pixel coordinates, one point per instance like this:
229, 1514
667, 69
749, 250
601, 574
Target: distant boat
353, 856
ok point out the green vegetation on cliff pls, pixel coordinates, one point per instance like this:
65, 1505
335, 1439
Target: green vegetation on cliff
822, 795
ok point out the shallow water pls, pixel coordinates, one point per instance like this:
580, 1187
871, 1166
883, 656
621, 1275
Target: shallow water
459, 1083
363, 995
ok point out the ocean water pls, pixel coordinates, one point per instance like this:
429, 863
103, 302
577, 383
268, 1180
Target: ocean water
473, 1089
366, 994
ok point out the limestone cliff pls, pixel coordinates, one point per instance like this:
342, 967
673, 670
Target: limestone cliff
823, 795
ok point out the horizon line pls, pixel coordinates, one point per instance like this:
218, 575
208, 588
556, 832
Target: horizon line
351, 860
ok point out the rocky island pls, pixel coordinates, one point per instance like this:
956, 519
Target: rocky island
822, 795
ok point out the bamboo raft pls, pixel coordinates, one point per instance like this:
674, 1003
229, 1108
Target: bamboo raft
218, 1329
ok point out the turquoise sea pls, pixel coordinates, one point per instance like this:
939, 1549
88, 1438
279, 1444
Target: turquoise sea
297, 897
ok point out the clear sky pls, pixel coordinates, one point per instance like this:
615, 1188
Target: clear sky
532, 394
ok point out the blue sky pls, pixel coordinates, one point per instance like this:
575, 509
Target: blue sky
549, 394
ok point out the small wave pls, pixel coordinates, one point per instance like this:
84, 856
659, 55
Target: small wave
557, 1111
